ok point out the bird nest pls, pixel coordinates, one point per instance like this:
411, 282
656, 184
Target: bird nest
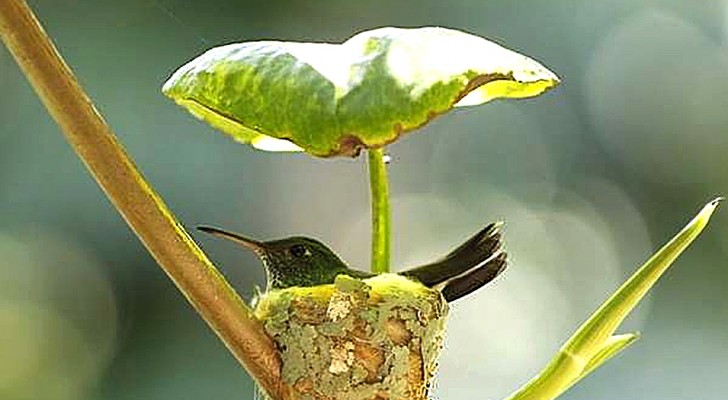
372, 339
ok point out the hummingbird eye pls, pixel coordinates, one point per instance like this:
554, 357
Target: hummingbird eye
299, 250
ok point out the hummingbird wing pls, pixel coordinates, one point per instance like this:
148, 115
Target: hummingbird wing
474, 263
474, 279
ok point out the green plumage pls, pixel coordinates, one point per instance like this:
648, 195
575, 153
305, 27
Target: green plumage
304, 262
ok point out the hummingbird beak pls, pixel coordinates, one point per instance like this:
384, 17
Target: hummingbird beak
252, 244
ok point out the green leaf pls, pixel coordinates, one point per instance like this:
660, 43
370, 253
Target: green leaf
591, 336
336, 99
613, 346
594, 342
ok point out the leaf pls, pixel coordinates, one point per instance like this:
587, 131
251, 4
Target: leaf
613, 346
336, 99
591, 336
594, 342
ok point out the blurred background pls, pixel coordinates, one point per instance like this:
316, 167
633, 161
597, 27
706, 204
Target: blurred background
591, 178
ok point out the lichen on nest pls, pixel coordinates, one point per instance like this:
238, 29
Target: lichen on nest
371, 339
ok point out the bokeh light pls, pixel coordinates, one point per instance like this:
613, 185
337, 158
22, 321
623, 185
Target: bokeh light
57, 318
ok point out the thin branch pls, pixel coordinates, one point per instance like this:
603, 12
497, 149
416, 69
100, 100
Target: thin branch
141, 207
381, 229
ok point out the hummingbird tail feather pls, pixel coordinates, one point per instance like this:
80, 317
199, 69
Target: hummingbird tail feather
480, 243
474, 279
472, 254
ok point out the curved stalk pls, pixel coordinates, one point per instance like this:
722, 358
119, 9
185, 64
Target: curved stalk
381, 220
144, 211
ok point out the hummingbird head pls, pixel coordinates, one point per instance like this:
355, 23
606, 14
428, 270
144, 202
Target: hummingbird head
293, 261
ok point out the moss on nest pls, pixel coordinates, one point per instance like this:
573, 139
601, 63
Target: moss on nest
371, 339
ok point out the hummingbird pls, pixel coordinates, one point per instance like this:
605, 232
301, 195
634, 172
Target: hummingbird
303, 261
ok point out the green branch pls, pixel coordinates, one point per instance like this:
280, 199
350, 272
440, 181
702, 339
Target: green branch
381, 223
141, 207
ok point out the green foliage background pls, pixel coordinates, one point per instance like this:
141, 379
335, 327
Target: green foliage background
591, 177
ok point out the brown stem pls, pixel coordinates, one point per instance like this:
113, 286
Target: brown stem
143, 210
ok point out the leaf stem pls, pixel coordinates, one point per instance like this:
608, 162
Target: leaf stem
381, 220
141, 207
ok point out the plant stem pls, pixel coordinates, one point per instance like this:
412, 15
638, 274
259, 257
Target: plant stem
141, 207
381, 220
